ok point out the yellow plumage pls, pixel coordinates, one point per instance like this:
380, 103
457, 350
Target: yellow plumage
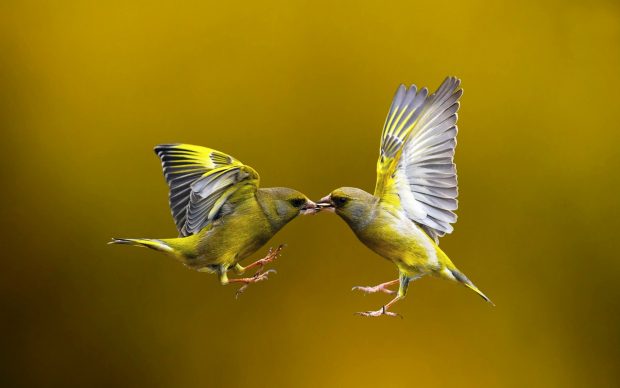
220, 212
415, 193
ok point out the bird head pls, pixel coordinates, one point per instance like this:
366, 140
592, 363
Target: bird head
350, 203
288, 203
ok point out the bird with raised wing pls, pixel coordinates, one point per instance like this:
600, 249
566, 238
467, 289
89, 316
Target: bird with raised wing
415, 193
220, 212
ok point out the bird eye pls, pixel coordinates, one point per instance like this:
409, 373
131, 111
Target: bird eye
297, 202
339, 201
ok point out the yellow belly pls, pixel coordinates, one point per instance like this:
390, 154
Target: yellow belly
401, 241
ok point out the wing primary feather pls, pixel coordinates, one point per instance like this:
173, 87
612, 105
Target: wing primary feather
198, 177
417, 155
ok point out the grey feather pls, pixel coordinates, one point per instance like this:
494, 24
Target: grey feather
427, 161
198, 177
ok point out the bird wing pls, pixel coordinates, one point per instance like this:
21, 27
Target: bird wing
201, 180
416, 170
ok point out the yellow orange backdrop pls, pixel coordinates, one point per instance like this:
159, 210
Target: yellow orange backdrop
299, 91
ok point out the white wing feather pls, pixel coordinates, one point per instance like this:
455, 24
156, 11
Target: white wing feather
426, 179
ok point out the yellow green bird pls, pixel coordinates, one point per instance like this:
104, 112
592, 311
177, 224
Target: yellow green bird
220, 212
415, 193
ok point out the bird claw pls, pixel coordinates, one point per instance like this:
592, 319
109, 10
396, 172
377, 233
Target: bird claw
272, 254
263, 275
258, 277
374, 289
240, 291
378, 313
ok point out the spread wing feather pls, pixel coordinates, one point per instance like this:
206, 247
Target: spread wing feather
416, 170
200, 180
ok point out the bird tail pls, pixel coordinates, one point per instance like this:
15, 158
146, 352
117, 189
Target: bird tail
461, 278
158, 245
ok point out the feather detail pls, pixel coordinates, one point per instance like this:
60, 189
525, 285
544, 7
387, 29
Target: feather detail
200, 180
416, 163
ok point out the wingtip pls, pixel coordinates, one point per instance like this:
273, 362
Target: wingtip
160, 147
452, 83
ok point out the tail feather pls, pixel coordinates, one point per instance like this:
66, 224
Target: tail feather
154, 244
460, 277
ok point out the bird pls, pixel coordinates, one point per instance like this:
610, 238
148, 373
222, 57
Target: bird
221, 214
415, 194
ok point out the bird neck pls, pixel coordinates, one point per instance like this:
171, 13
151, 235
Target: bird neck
270, 206
360, 215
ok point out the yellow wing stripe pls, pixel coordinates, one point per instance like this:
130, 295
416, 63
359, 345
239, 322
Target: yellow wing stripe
188, 170
415, 170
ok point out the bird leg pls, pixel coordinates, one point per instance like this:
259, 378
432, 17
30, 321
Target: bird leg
383, 310
258, 277
402, 291
383, 287
271, 256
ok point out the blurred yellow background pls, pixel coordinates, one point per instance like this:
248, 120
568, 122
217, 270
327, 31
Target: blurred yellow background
299, 91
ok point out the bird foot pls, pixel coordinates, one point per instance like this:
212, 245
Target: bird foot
374, 289
378, 313
258, 277
271, 256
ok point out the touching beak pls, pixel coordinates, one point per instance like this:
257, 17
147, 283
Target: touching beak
309, 208
325, 204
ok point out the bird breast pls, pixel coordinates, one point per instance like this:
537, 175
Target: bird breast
397, 238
